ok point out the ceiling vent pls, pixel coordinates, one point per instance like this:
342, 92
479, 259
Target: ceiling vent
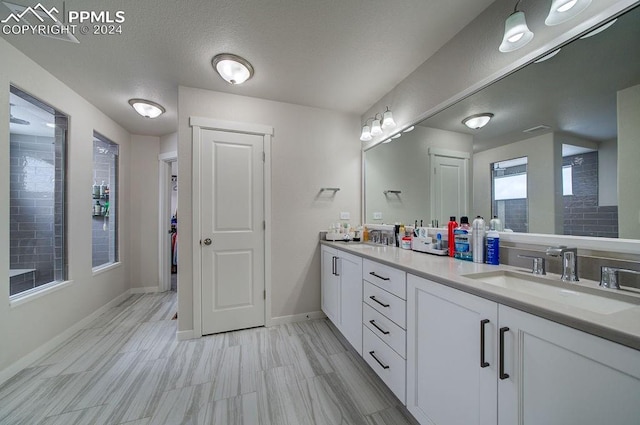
537, 128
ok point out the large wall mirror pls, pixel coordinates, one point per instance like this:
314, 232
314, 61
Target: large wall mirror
561, 154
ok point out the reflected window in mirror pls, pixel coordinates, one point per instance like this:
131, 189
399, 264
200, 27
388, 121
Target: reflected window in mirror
509, 193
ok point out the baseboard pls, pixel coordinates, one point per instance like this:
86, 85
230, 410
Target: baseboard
36, 354
283, 320
184, 335
145, 290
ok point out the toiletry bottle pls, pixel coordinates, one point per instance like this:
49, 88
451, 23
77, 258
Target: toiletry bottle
365, 235
477, 238
96, 190
97, 208
495, 224
103, 188
451, 241
439, 242
493, 247
462, 236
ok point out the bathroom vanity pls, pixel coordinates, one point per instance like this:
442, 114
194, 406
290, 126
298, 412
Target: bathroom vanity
465, 343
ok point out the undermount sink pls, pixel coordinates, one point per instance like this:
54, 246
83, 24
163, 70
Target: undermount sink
575, 295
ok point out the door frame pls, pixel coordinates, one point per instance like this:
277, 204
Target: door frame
164, 177
198, 124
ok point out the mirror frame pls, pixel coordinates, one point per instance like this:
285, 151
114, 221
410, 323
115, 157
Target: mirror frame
616, 245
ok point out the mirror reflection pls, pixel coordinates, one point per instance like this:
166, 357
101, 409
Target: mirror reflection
572, 114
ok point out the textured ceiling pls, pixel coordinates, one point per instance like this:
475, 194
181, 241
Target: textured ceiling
337, 54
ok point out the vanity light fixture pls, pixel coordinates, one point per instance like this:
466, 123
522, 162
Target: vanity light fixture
563, 10
516, 31
387, 119
406, 130
365, 136
376, 129
396, 136
387, 141
232, 68
147, 108
477, 121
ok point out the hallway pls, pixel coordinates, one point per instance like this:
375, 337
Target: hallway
127, 367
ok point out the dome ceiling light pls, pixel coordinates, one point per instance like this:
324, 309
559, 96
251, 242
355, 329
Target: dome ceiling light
232, 68
477, 121
147, 108
516, 32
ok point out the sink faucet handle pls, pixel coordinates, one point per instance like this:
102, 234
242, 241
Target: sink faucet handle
609, 276
539, 265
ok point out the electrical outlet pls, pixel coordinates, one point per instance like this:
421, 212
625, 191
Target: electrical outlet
345, 215
377, 216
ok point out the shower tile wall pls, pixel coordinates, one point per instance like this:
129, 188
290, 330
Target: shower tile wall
582, 214
36, 229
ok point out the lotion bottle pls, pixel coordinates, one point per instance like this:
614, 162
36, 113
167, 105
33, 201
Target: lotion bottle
451, 239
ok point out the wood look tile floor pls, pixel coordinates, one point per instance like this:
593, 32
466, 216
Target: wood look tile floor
127, 367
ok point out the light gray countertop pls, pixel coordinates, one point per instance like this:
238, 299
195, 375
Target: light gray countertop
622, 327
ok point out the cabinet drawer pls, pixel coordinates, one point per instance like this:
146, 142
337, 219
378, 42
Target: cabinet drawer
385, 329
385, 362
385, 303
388, 278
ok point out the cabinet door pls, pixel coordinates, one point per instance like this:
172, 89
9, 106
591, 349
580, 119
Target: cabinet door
446, 382
562, 376
330, 284
350, 272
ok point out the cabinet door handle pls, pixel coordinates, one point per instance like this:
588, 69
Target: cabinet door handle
483, 363
378, 276
381, 303
336, 260
373, 322
503, 375
333, 265
384, 366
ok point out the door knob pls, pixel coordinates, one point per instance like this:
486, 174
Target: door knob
207, 241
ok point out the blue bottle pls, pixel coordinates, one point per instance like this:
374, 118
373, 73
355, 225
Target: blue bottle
493, 247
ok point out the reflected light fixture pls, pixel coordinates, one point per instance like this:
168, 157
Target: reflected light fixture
387, 141
387, 119
376, 129
477, 121
563, 10
396, 136
232, 68
406, 130
547, 57
365, 136
147, 108
516, 32
599, 29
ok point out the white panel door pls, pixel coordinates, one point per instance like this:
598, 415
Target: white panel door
449, 189
232, 239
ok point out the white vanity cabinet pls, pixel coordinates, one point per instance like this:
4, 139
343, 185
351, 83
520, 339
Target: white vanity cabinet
384, 323
473, 361
341, 293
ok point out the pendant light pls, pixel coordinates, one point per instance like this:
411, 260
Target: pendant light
232, 68
365, 136
516, 32
387, 119
563, 10
376, 128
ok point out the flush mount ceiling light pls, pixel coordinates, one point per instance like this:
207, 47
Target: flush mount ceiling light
477, 121
516, 32
232, 68
147, 108
387, 119
563, 10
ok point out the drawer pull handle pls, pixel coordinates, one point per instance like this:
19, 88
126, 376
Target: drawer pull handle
384, 366
503, 375
378, 276
373, 322
381, 303
483, 363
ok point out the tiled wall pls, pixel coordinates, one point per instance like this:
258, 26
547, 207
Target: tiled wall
36, 227
582, 214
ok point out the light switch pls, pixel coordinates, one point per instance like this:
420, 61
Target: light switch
377, 216
345, 215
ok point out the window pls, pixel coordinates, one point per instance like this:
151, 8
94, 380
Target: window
37, 235
509, 193
104, 202
567, 180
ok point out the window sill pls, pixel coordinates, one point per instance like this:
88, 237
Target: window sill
35, 293
105, 268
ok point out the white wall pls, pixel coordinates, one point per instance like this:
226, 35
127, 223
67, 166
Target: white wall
403, 164
628, 167
471, 59
25, 327
169, 143
311, 148
543, 180
144, 237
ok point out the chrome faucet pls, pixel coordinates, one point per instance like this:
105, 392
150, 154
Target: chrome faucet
539, 265
609, 276
569, 262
